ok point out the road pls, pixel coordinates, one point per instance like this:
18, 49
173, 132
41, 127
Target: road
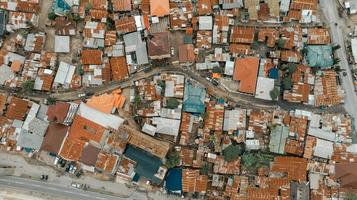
54, 189
329, 8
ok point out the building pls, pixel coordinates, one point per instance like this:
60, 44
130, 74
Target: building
346, 174
319, 56
264, 87
64, 75
193, 101
62, 44
135, 48
159, 8
159, 45
54, 138
246, 72
278, 137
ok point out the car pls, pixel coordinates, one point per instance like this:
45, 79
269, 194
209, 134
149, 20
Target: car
56, 160
44, 177
81, 95
344, 73
76, 185
172, 51
88, 94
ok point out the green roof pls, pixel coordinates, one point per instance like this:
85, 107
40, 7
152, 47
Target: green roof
319, 56
278, 139
193, 101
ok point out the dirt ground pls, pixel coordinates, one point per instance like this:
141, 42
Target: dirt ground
8, 194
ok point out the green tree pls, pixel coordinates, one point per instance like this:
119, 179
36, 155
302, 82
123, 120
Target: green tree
336, 60
27, 86
232, 152
51, 100
292, 68
287, 83
281, 43
255, 45
205, 169
350, 196
274, 94
137, 100
172, 103
334, 48
249, 160
173, 159
88, 7
52, 15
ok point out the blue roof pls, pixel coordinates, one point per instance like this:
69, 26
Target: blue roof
274, 73
147, 164
174, 180
194, 99
2, 22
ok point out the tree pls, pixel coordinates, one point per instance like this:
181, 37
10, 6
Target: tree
255, 45
350, 196
88, 7
173, 159
249, 160
281, 43
27, 86
51, 100
287, 83
52, 15
137, 100
336, 61
205, 169
292, 68
334, 48
172, 103
274, 94
232, 152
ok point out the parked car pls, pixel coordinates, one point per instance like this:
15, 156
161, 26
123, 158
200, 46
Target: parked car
81, 95
76, 185
44, 177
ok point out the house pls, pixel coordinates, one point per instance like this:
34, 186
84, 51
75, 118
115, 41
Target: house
17, 108
231, 4
35, 42
241, 34
125, 25
159, 45
3, 20
173, 181
135, 48
159, 8
91, 57
119, 68
89, 156
192, 181
278, 137
167, 126
64, 75
193, 101
62, 112
246, 71
234, 120
264, 87
62, 44
205, 23
186, 53
147, 166
54, 138
319, 56
107, 162
120, 5
346, 174
64, 27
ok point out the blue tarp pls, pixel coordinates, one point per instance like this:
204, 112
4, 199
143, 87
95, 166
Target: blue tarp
274, 73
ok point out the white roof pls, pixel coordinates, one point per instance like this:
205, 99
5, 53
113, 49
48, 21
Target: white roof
322, 133
264, 86
149, 129
314, 179
169, 88
354, 48
103, 119
205, 22
62, 44
232, 119
166, 126
229, 68
323, 149
32, 114
64, 73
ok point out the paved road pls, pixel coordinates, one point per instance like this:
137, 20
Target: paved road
54, 189
329, 8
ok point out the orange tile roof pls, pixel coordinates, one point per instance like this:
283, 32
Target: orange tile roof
17, 108
3, 100
16, 66
125, 24
186, 53
330, 94
309, 147
246, 71
72, 149
295, 167
121, 5
318, 36
110, 38
119, 68
106, 162
184, 128
299, 127
192, 181
107, 102
262, 194
243, 49
106, 73
304, 4
204, 7
58, 112
269, 35
159, 8
98, 14
294, 147
91, 57
241, 34
85, 130
187, 155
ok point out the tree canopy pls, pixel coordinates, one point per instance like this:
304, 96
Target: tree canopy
232, 152
274, 94
27, 86
173, 159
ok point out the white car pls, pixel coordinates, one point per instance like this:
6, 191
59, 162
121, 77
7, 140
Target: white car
76, 185
172, 51
81, 95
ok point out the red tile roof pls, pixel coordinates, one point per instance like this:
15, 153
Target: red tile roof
58, 112
72, 149
295, 167
241, 34
85, 130
54, 138
125, 24
91, 57
17, 108
159, 8
121, 5
119, 68
192, 181
106, 162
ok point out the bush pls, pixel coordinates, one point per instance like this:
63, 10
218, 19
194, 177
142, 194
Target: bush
287, 83
274, 94
292, 68
27, 86
173, 159
232, 152
281, 43
52, 15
